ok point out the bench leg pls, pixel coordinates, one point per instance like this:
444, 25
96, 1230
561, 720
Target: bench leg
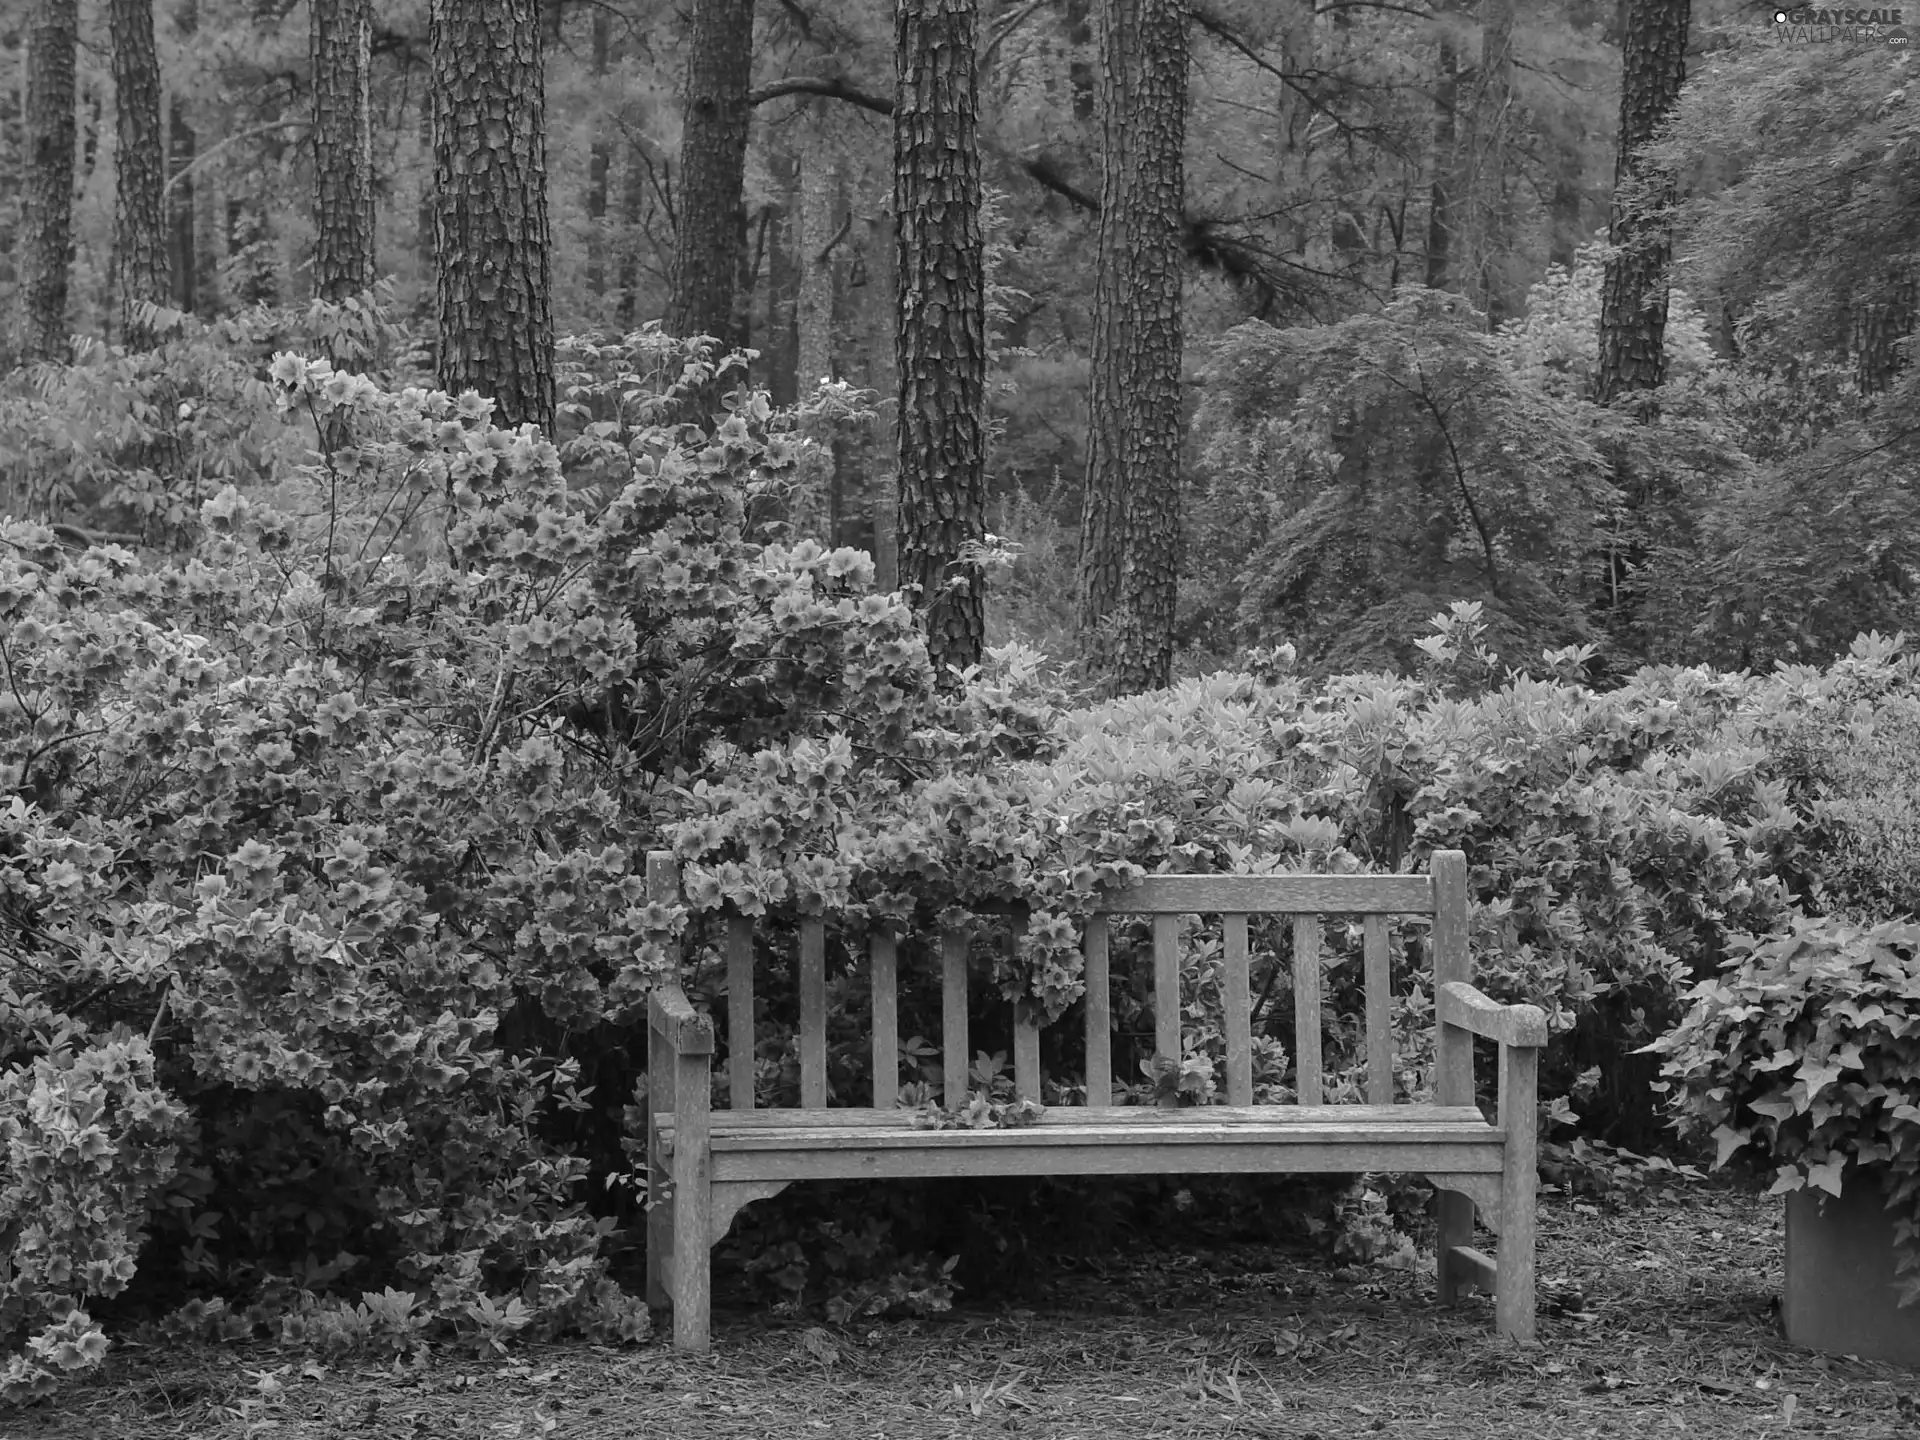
659, 1240
690, 1280
1455, 1216
1513, 1304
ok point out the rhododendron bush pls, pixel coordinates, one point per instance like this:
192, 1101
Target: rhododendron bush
300, 817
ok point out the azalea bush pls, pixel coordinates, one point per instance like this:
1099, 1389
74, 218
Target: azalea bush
1804, 1057
322, 806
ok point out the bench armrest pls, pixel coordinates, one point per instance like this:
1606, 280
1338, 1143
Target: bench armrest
673, 1018
1459, 1004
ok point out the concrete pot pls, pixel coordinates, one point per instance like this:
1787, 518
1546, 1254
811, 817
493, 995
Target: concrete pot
1840, 1275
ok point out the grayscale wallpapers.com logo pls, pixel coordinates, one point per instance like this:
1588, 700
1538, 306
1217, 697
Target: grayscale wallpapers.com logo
1814, 23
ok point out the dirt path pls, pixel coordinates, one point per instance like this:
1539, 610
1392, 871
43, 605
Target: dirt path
1660, 1322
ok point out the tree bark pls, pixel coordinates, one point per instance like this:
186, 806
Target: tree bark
813, 309
48, 195
1879, 327
782, 347
182, 145
341, 39
599, 166
1633, 305
1494, 125
711, 234
492, 243
1130, 517
1443, 218
633, 206
941, 337
139, 217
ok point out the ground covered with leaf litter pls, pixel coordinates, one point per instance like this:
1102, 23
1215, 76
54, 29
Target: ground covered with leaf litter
1656, 1320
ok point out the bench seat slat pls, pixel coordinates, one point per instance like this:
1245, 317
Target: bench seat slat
1011, 1152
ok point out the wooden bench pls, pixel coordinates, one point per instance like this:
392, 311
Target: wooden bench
705, 1164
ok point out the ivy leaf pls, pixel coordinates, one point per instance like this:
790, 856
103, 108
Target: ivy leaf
1729, 1140
1826, 1175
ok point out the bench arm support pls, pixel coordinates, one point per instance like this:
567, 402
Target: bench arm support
1463, 1006
679, 1205
672, 1017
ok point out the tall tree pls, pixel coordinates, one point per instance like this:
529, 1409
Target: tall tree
1449, 169
1633, 305
49, 189
340, 41
1130, 517
139, 228
599, 162
491, 240
183, 249
940, 344
711, 236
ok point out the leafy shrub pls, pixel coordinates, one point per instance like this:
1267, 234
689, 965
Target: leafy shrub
1805, 1055
327, 801
1865, 775
1396, 462
91, 1141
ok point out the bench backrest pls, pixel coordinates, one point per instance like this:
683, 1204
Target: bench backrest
1441, 894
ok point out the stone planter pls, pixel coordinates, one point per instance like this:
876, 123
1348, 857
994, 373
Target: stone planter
1840, 1276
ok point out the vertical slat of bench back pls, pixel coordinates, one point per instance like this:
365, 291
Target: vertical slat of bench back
953, 1018
1238, 1008
1306, 1009
740, 1012
1026, 1051
1166, 986
1453, 1058
1166, 991
813, 1013
1099, 1016
1379, 1012
886, 1020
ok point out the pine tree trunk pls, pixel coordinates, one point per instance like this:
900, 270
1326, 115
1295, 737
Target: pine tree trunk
1294, 110
1494, 125
341, 37
1080, 67
1633, 304
884, 376
1443, 219
182, 143
711, 233
941, 339
1879, 327
782, 349
813, 314
599, 165
48, 194
139, 220
633, 207
1130, 518
491, 239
